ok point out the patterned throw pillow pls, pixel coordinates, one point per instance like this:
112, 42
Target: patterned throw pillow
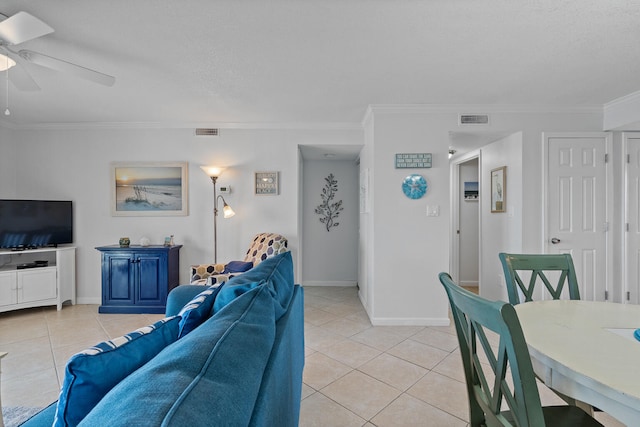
92, 373
197, 310
200, 272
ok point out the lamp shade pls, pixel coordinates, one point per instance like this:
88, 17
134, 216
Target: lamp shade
227, 212
6, 62
212, 171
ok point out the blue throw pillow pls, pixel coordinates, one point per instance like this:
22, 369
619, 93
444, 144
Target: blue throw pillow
197, 310
91, 374
237, 267
277, 271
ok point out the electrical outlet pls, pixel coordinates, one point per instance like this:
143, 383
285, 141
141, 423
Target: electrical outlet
226, 189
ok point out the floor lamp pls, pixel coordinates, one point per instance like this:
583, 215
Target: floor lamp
214, 172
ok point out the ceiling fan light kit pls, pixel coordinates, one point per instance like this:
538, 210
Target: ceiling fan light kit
6, 62
7, 66
23, 27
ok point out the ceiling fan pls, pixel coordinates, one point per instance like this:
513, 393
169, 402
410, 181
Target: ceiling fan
23, 27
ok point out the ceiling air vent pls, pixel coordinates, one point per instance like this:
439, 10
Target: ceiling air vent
473, 119
207, 131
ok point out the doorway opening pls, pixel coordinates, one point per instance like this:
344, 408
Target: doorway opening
473, 259
465, 200
469, 225
329, 246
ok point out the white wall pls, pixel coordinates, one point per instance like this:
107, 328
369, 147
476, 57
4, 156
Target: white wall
410, 249
7, 164
501, 231
330, 258
366, 242
405, 249
75, 164
402, 250
469, 226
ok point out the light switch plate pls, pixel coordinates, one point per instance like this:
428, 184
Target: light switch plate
433, 210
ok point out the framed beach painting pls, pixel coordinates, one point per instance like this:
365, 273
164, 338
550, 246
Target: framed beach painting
149, 189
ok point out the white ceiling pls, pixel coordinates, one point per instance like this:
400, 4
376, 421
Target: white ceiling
321, 62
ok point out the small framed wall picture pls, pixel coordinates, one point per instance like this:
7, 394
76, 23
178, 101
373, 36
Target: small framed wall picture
266, 184
499, 189
471, 191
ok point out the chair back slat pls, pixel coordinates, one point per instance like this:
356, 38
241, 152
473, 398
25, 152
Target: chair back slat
540, 266
478, 324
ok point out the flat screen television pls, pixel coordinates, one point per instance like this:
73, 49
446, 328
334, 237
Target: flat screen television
30, 224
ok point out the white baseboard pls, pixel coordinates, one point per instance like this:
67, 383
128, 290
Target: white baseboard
402, 321
470, 283
426, 321
345, 283
89, 301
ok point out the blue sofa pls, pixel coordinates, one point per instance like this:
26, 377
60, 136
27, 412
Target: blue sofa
226, 356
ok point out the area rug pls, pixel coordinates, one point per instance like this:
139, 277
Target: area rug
15, 415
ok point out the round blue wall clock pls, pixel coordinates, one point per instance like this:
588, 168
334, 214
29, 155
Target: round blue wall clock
414, 186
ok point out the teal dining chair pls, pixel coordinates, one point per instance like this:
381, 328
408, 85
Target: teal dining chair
488, 388
539, 266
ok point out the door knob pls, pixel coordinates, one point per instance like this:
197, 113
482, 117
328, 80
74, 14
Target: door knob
555, 240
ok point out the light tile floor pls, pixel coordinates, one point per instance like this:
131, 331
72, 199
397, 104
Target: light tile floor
356, 374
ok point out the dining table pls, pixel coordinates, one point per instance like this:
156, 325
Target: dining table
586, 350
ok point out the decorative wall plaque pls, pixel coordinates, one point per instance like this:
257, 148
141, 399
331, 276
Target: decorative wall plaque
413, 160
266, 183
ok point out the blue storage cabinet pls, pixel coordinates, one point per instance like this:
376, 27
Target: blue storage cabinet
138, 279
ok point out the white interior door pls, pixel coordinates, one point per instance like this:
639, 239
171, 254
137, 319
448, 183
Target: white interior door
632, 235
576, 207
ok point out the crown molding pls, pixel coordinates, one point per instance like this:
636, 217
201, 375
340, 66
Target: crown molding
632, 97
482, 108
338, 126
622, 113
371, 110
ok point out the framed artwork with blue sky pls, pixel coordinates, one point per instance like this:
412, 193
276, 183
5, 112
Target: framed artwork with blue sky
149, 189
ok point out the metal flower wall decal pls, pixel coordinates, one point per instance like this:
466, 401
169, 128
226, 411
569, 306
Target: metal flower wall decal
329, 211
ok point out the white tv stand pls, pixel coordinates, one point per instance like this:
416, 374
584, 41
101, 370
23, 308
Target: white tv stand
37, 286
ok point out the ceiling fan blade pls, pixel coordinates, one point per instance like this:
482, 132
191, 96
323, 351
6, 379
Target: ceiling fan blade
67, 67
22, 27
19, 76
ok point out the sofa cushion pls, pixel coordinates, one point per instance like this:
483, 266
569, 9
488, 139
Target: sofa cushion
180, 296
280, 393
44, 418
90, 374
237, 267
210, 377
197, 310
277, 271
